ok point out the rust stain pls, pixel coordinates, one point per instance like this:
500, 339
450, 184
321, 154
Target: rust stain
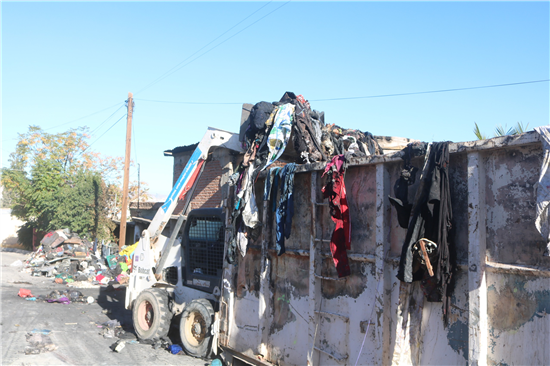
248, 274
511, 307
352, 286
289, 280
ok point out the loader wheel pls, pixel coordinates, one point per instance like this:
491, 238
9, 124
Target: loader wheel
195, 328
150, 314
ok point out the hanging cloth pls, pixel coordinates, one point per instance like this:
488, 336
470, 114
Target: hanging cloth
431, 220
250, 210
335, 191
285, 210
542, 218
280, 133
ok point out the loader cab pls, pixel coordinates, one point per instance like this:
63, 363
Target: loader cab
203, 248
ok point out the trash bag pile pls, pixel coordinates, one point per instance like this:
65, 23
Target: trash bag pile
69, 259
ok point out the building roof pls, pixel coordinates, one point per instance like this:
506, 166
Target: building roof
180, 149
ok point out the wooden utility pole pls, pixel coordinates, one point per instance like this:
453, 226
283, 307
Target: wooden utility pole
122, 236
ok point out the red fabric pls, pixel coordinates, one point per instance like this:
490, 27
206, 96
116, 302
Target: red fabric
335, 191
23, 292
99, 277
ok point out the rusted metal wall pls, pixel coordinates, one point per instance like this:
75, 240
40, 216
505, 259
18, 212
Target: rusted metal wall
292, 309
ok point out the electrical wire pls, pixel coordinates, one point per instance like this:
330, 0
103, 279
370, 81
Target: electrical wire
75, 120
108, 118
134, 141
166, 101
432, 91
78, 119
96, 140
200, 49
369, 96
216, 46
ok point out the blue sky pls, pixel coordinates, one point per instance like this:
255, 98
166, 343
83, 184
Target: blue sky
63, 61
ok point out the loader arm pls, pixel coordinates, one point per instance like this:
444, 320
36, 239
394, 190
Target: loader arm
190, 175
144, 275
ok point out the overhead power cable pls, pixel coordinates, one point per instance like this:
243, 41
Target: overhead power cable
202, 48
75, 120
108, 118
81, 118
134, 141
176, 102
365, 97
432, 91
177, 68
96, 140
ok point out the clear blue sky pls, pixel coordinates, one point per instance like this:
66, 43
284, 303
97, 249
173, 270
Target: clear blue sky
66, 60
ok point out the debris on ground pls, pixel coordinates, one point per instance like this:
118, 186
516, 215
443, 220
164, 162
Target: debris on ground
39, 343
70, 260
118, 346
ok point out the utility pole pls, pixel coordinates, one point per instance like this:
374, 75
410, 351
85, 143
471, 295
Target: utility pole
122, 236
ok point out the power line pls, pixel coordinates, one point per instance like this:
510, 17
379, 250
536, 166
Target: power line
204, 53
108, 118
78, 119
432, 91
200, 49
75, 120
134, 141
96, 140
166, 101
369, 96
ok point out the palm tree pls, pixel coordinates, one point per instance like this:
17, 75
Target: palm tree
502, 131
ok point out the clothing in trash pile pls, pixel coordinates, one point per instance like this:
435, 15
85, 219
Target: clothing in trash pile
265, 134
335, 191
431, 223
69, 259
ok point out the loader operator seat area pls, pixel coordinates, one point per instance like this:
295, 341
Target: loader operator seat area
203, 245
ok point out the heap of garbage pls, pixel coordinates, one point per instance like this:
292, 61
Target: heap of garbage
69, 259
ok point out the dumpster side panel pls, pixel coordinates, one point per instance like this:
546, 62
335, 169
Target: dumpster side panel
512, 174
519, 324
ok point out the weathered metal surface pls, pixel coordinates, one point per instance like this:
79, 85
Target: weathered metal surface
518, 319
500, 305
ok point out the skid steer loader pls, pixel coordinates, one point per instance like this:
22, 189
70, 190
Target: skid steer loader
172, 277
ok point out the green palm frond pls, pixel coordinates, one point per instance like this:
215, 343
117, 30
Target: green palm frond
520, 128
477, 132
502, 131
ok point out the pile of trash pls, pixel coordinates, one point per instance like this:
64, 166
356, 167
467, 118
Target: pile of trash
268, 128
69, 259
62, 297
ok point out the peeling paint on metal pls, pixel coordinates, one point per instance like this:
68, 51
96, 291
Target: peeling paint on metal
458, 338
511, 306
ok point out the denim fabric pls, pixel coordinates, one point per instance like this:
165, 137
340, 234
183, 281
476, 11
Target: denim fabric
285, 211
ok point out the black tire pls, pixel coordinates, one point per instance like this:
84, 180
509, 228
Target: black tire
195, 328
150, 314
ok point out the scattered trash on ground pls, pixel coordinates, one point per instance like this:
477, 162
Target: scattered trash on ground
118, 346
175, 349
70, 260
23, 292
17, 263
39, 343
